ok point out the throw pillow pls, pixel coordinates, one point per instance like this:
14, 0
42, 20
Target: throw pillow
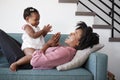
80, 58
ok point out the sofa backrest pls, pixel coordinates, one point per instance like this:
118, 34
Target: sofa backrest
18, 36
62, 39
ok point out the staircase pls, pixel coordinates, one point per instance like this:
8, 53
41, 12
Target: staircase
106, 14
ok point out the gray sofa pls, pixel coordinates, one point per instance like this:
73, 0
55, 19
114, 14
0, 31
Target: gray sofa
95, 68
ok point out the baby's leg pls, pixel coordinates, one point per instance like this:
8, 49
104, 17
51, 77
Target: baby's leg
24, 60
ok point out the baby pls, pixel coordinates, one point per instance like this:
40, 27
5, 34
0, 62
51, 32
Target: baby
33, 37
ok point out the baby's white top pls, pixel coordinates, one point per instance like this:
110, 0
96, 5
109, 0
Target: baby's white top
29, 42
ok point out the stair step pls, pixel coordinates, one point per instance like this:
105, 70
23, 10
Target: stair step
68, 1
102, 26
114, 39
78, 13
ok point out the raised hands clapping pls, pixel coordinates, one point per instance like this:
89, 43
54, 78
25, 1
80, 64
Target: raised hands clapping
54, 41
46, 29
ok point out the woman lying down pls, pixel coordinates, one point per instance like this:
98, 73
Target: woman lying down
52, 54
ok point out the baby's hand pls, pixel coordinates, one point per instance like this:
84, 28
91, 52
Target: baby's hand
47, 28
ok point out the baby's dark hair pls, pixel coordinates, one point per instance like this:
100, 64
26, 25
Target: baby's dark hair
89, 38
28, 11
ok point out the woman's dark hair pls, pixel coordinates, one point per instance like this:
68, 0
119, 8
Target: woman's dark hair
89, 38
81, 25
28, 11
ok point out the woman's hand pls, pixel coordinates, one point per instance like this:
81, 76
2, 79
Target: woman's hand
51, 42
54, 41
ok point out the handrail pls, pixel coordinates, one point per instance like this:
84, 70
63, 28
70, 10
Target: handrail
109, 7
112, 30
115, 4
112, 11
112, 14
94, 12
104, 11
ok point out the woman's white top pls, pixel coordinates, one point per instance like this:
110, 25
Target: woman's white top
29, 42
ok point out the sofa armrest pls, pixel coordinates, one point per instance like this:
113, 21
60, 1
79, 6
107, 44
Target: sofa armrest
97, 65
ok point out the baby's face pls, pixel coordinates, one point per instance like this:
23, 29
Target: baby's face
33, 19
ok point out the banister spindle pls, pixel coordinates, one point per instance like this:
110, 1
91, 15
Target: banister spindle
112, 31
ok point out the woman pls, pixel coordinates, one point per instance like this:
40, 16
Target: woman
52, 55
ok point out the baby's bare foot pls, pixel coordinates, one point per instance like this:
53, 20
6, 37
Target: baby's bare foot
13, 66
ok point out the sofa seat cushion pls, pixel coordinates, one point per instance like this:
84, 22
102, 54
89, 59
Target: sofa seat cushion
2, 58
52, 74
4, 65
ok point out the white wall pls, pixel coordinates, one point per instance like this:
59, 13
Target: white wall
61, 17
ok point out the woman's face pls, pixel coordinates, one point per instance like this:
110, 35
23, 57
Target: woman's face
74, 38
33, 19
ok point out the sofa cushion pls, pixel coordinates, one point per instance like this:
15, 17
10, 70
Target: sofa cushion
2, 58
4, 65
52, 74
80, 58
16, 36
